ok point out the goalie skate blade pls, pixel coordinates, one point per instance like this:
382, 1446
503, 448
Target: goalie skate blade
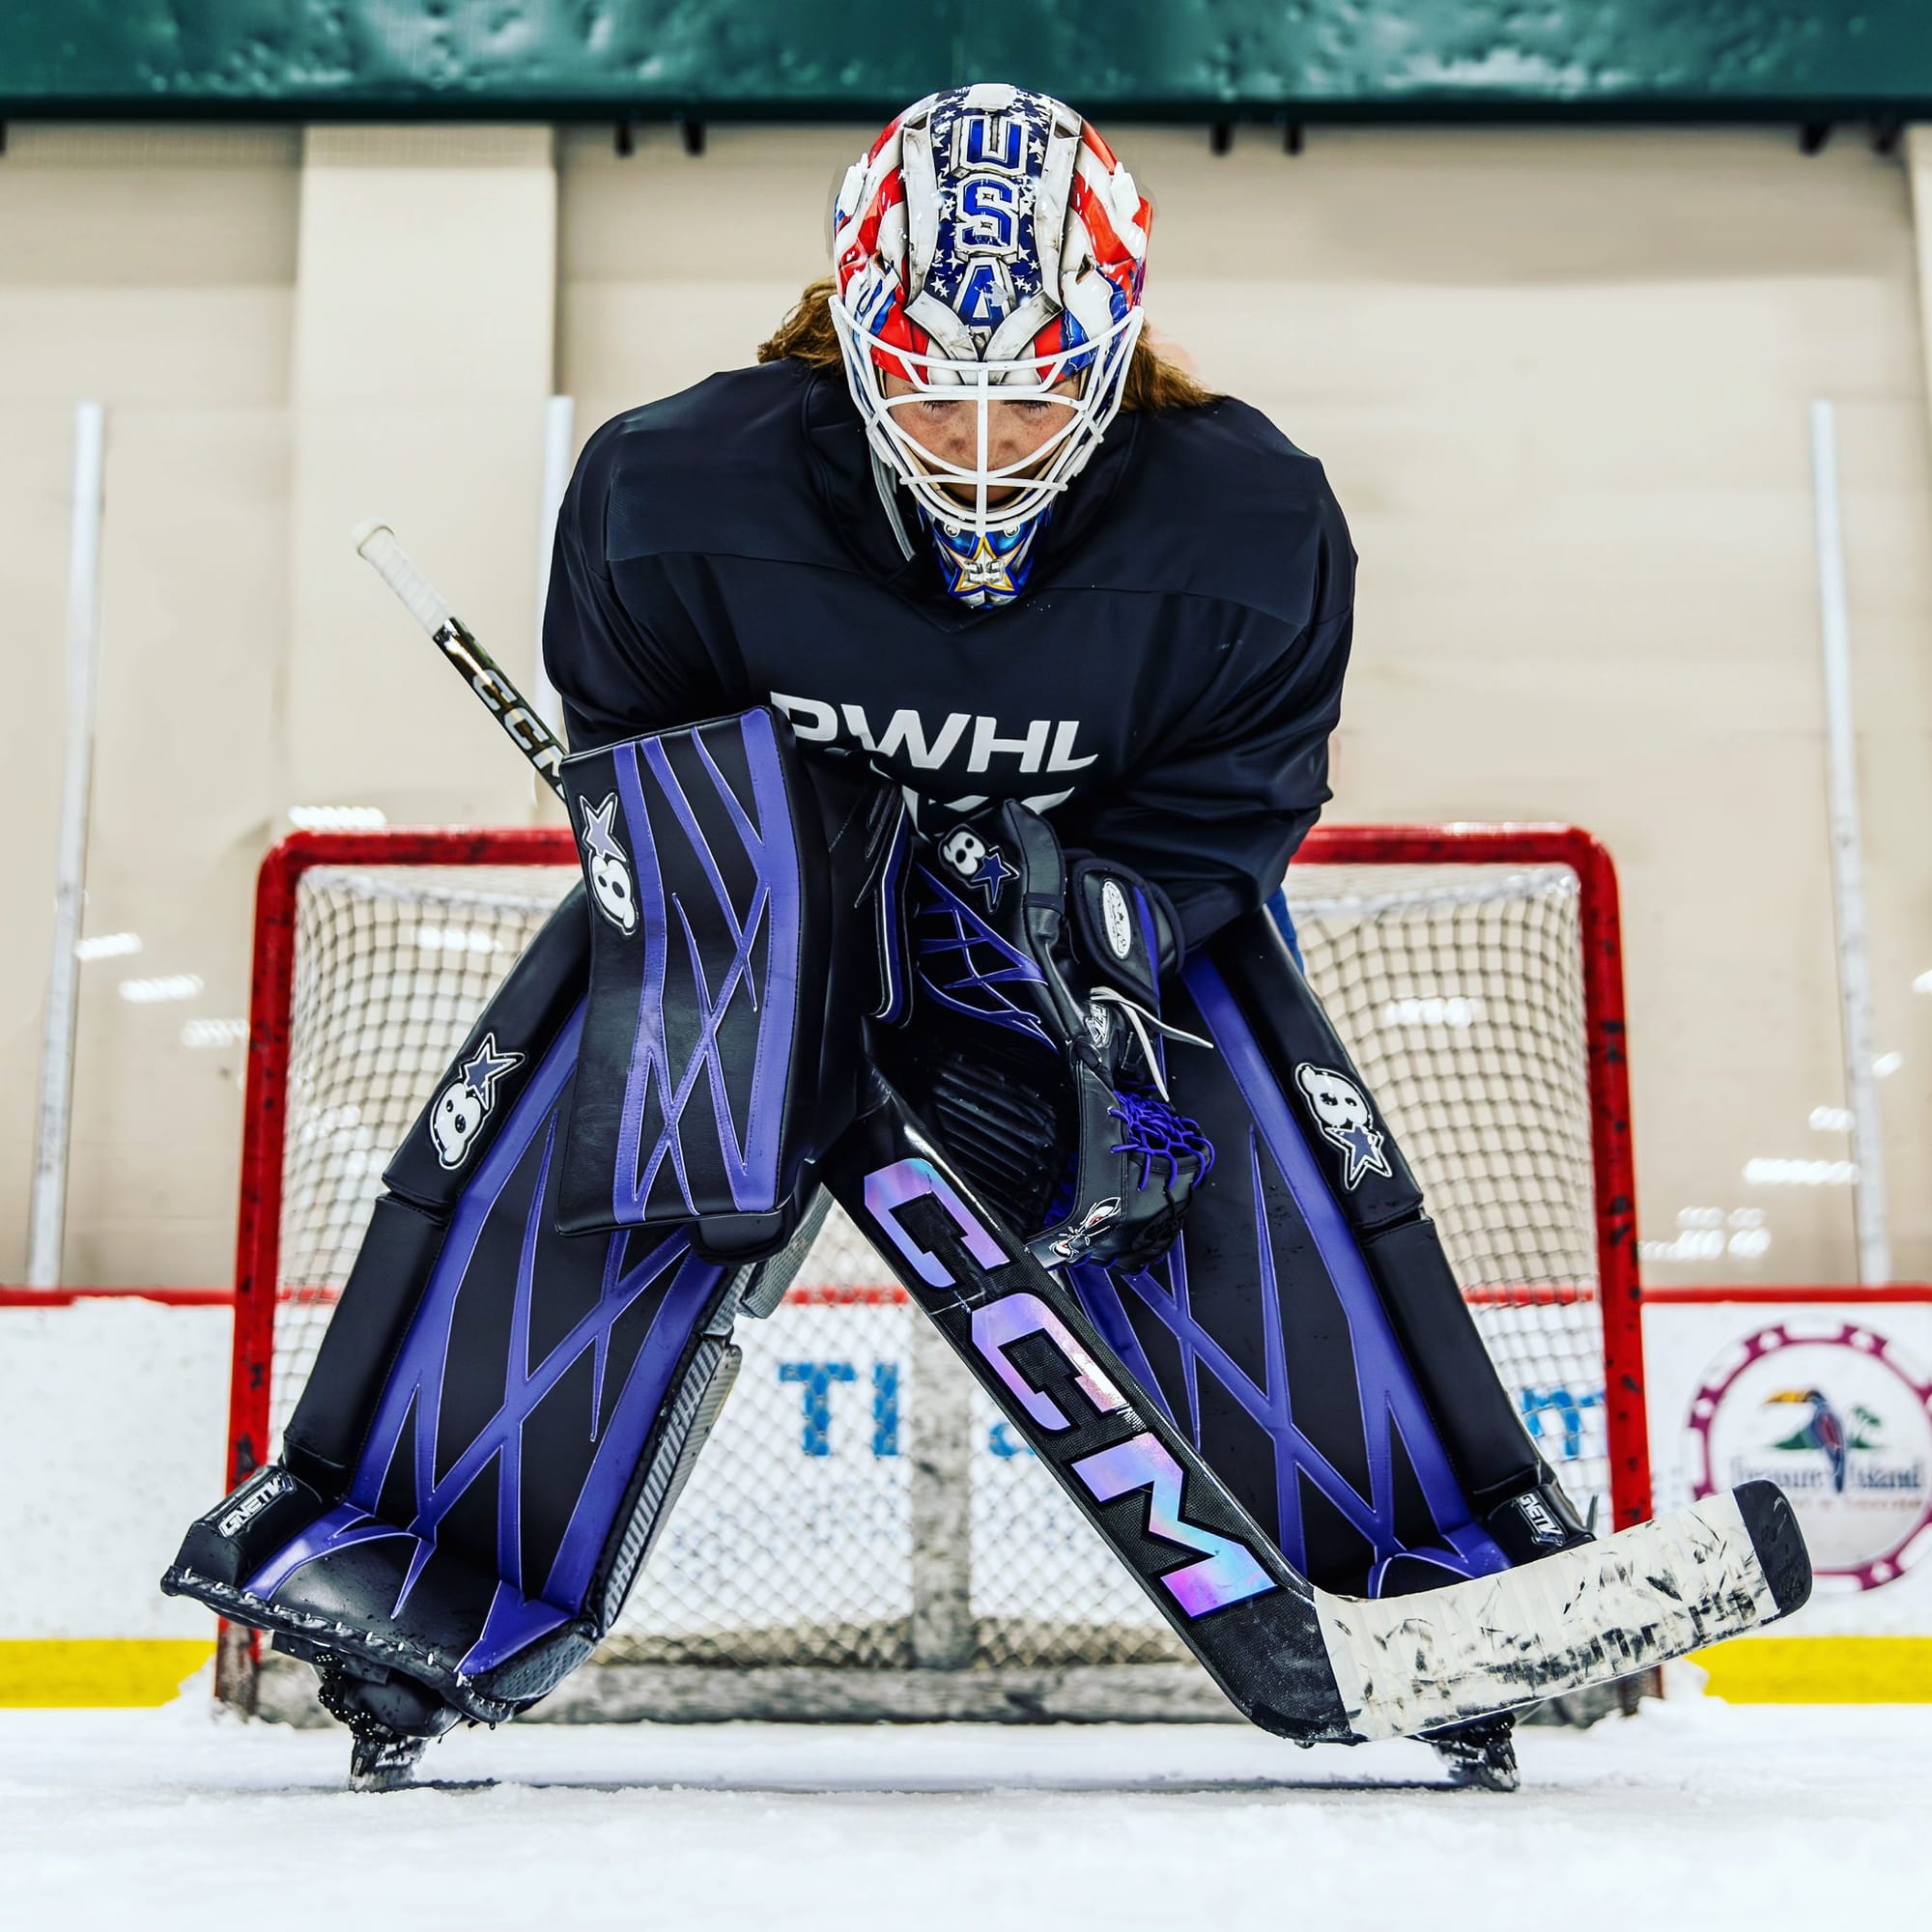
1587, 1615
384, 1764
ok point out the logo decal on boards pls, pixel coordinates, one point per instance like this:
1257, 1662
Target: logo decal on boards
1839, 1416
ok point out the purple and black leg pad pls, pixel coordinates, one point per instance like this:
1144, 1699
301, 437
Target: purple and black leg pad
513, 1386
1306, 1328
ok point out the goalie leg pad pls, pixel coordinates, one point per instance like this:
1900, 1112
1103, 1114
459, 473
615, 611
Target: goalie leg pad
1306, 1330
1378, 1196
500, 1421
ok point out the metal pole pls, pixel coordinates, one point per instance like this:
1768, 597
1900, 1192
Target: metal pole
942, 1502
1848, 859
47, 1214
559, 436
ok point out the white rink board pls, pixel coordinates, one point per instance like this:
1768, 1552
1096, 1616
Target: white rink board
111, 1433
1693, 1348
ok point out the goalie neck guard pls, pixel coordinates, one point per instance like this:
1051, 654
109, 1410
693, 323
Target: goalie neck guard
988, 249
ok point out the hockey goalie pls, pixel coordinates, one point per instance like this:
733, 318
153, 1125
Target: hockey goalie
947, 695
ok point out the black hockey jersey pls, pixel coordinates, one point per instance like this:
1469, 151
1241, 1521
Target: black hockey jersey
1165, 689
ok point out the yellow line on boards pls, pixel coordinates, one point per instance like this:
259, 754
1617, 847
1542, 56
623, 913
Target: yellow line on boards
97, 1672
109, 1672
1820, 1670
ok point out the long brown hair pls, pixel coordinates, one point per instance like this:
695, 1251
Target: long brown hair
807, 335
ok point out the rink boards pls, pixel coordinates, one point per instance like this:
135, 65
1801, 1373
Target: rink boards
817, 1559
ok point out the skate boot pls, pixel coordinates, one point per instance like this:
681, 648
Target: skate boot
390, 1719
1479, 1755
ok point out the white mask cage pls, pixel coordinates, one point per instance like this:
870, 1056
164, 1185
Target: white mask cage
957, 493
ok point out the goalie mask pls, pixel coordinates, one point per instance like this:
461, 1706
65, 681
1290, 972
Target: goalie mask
989, 249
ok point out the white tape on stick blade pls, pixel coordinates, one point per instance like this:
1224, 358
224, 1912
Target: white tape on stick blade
1585, 1615
376, 542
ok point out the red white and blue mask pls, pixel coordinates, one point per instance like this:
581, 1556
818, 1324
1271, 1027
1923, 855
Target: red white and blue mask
986, 250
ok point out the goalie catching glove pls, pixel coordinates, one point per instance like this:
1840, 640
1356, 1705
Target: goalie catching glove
1033, 1048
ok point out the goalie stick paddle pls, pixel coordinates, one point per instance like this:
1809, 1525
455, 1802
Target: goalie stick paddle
1292, 1658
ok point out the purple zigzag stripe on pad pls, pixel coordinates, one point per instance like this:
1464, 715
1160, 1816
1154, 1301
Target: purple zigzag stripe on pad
514, 1620
650, 1051
646, 1389
341, 1528
750, 1158
1391, 1406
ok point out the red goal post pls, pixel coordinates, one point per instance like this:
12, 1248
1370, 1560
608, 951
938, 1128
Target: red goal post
1459, 876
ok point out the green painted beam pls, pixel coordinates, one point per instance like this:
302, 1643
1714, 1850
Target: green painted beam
798, 59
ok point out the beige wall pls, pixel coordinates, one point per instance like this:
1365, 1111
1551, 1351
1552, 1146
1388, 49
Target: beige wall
1560, 381
154, 270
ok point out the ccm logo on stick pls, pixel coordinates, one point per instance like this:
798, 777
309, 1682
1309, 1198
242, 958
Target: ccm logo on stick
1227, 1572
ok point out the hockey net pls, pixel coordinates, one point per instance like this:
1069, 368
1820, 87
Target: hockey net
861, 1534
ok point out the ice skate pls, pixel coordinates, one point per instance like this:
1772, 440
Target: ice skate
383, 1762
1479, 1755
391, 1723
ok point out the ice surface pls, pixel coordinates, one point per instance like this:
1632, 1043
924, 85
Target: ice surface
1695, 1815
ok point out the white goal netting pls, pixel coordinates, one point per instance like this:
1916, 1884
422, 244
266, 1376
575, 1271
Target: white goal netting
860, 1506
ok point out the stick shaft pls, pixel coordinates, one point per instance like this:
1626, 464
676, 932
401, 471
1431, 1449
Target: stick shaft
376, 543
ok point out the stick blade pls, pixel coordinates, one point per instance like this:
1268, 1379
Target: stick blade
1587, 1615
1781, 1554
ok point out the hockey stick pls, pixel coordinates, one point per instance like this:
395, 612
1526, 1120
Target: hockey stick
376, 544
1294, 1658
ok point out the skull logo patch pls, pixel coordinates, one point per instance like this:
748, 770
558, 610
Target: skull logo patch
964, 851
462, 1106
610, 871
976, 862
1341, 1114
